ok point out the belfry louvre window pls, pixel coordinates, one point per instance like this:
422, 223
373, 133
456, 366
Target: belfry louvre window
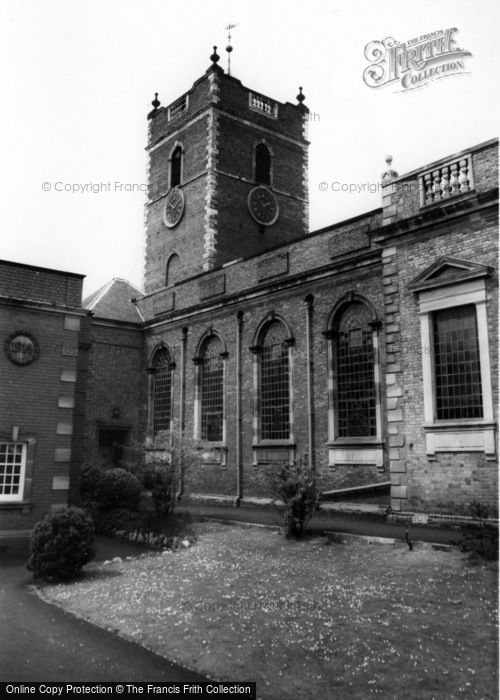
162, 392
456, 364
176, 167
262, 164
355, 370
12, 467
275, 384
212, 391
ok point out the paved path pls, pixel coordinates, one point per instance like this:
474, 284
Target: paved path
40, 642
332, 521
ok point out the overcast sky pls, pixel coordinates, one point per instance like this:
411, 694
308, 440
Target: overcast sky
78, 79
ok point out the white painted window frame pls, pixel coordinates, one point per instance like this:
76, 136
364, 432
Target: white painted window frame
260, 445
464, 435
368, 451
18, 497
213, 452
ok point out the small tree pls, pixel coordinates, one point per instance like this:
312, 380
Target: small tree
294, 485
161, 466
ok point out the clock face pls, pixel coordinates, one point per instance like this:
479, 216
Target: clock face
174, 207
263, 206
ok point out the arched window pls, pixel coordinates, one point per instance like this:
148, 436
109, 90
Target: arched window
162, 391
176, 167
356, 396
274, 383
172, 270
211, 387
262, 164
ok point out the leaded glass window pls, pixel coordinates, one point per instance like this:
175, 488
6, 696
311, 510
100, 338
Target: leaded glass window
457, 365
162, 392
355, 371
275, 384
212, 391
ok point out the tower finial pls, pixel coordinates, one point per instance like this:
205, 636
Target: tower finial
229, 48
156, 103
300, 97
215, 58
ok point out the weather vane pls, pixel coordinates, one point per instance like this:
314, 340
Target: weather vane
229, 48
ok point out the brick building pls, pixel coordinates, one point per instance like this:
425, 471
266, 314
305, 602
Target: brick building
41, 405
367, 347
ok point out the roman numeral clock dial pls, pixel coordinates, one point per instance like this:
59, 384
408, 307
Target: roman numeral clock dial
263, 206
174, 207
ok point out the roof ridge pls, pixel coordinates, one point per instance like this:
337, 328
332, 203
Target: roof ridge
99, 294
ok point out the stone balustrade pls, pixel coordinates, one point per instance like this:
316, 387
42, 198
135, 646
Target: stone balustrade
446, 181
262, 104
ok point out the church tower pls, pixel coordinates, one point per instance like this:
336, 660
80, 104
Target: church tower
227, 177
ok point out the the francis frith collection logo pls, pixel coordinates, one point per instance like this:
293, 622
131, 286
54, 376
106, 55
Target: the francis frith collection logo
414, 63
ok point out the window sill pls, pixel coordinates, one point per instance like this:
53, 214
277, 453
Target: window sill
356, 442
25, 506
460, 424
274, 443
215, 444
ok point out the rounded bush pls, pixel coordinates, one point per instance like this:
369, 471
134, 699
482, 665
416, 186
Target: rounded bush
118, 488
89, 480
61, 543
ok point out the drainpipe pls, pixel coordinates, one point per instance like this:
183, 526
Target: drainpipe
239, 417
182, 412
309, 301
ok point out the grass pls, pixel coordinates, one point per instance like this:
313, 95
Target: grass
305, 619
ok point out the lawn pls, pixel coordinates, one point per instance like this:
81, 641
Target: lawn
308, 620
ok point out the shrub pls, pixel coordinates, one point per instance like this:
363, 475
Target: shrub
61, 543
88, 485
119, 519
295, 486
161, 466
117, 488
480, 538
124, 523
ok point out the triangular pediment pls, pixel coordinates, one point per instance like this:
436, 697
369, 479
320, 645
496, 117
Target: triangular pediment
448, 271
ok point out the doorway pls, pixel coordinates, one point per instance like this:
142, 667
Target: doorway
110, 447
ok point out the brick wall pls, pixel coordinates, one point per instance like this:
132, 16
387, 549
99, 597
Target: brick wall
20, 281
453, 480
288, 304
187, 238
38, 398
115, 372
